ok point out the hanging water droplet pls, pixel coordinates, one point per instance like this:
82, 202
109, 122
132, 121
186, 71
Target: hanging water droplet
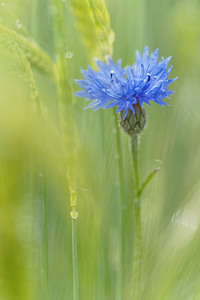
69, 54
74, 214
18, 24
3, 4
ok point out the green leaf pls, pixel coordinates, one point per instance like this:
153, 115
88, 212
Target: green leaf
149, 177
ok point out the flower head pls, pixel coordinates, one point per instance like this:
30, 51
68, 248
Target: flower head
124, 88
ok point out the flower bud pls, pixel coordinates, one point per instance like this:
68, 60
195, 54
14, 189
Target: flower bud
133, 124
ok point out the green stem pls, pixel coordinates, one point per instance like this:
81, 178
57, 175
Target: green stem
134, 151
34, 23
68, 125
45, 241
74, 216
138, 226
120, 214
75, 259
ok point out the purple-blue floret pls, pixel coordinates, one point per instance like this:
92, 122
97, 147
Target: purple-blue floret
114, 86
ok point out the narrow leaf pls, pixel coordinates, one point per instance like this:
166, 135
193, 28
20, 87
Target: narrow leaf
149, 177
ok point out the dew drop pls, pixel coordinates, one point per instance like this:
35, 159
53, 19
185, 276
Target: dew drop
69, 54
74, 215
18, 24
3, 4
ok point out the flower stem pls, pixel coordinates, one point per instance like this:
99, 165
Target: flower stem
138, 227
120, 214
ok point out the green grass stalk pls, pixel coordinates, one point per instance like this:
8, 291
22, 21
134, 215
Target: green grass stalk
22, 56
134, 147
75, 259
119, 289
68, 126
45, 265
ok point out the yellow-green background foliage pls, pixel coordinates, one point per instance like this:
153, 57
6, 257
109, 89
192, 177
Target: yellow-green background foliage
32, 163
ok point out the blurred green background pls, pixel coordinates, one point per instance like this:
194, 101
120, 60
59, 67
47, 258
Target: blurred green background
171, 202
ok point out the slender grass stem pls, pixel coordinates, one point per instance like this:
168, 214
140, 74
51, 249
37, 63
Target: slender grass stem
34, 24
68, 125
74, 216
138, 227
45, 266
75, 259
45, 229
120, 214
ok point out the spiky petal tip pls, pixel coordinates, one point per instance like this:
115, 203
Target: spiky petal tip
114, 86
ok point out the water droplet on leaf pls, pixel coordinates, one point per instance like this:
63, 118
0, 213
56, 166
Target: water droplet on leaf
18, 24
69, 54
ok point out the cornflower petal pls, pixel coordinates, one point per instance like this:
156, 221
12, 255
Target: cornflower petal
114, 86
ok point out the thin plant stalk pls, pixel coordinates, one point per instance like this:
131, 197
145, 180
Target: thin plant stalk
75, 259
74, 216
68, 126
45, 227
45, 255
35, 98
120, 214
134, 147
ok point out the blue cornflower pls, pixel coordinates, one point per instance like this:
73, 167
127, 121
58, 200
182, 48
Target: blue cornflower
114, 86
